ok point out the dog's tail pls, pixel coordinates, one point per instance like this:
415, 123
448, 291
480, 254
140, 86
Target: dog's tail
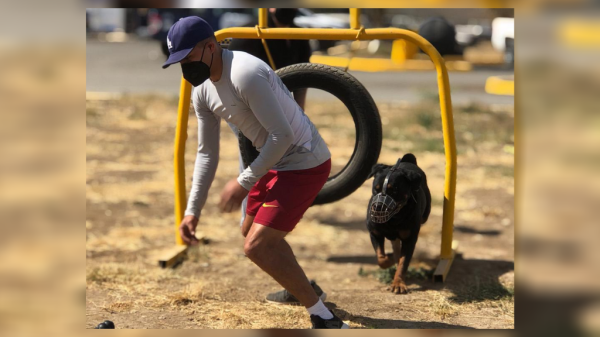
409, 158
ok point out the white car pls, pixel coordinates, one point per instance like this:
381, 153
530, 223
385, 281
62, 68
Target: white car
309, 19
503, 38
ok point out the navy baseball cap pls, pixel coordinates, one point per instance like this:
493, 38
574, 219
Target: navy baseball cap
183, 37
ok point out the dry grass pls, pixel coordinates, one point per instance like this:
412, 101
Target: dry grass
129, 220
442, 307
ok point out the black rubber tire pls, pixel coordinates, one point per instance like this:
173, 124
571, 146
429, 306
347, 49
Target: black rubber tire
364, 113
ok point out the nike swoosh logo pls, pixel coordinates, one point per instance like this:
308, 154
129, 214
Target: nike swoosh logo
265, 205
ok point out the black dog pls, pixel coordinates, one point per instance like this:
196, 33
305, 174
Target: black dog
407, 185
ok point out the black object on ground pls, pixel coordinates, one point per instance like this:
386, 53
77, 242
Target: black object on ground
106, 325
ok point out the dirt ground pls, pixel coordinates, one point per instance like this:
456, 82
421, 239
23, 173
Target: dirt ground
130, 220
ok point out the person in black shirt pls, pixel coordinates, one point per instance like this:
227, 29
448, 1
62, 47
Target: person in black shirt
283, 52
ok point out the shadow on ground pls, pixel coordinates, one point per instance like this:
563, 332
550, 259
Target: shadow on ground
470, 230
470, 280
354, 224
379, 323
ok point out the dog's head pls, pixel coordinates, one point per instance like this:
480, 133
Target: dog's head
402, 182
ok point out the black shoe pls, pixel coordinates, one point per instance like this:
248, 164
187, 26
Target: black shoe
333, 323
285, 298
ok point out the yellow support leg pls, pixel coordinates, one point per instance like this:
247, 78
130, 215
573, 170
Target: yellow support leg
443, 267
172, 257
263, 17
185, 94
355, 18
175, 255
402, 51
446, 251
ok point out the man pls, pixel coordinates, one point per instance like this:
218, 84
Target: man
284, 53
282, 182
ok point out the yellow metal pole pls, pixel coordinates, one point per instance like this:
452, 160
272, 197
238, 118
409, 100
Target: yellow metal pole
263, 15
355, 18
185, 94
451, 163
443, 88
402, 51
263, 22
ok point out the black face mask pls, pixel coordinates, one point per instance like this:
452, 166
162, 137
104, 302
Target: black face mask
197, 72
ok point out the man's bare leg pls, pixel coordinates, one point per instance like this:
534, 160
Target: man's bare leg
267, 248
247, 224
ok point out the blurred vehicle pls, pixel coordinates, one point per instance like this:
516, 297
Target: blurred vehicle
469, 35
405, 22
105, 19
441, 30
309, 19
503, 38
441, 34
239, 18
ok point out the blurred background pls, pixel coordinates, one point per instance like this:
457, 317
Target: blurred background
132, 42
43, 150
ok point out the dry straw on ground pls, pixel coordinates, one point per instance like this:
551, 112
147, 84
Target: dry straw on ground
129, 219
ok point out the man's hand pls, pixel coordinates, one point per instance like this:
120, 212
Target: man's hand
187, 230
232, 196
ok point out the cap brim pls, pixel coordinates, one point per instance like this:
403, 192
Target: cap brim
177, 57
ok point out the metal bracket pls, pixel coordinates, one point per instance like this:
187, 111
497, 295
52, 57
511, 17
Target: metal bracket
173, 256
443, 267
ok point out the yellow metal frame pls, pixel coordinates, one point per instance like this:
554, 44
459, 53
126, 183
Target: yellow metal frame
185, 95
356, 32
402, 51
402, 58
263, 23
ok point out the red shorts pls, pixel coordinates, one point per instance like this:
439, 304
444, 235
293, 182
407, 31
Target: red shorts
280, 198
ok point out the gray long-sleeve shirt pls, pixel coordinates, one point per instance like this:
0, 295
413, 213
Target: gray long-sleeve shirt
254, 100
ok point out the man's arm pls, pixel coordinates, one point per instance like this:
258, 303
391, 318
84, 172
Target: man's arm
258, 94
207, 158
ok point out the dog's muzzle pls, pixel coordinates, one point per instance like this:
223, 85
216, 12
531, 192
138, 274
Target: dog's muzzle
383, 208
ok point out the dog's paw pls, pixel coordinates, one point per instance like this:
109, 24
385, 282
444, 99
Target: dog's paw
385, 262
398, 287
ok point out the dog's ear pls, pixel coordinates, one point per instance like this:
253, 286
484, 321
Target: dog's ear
414, 178
377, 168
409, 158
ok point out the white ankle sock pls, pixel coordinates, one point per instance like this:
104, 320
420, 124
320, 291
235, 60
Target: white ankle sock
320, 310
